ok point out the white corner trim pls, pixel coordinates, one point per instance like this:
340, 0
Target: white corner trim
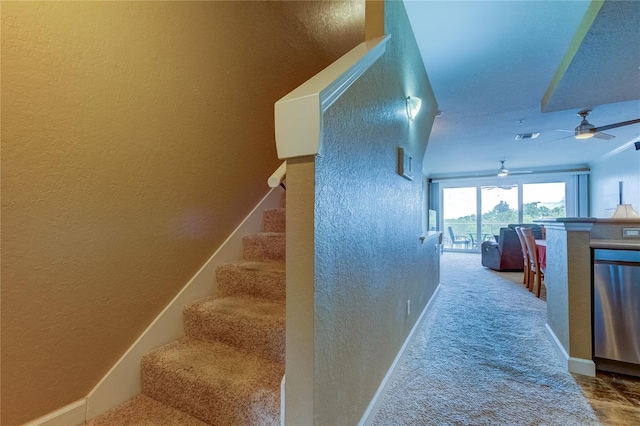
298, 115
282, 396
585, 367
374, 404
124, 381
562, 352
71, 415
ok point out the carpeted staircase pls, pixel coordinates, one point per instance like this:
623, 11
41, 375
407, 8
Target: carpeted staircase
227, 369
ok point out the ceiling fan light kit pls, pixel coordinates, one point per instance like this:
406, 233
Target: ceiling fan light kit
503, 170
413, 107
581, 134
586, 130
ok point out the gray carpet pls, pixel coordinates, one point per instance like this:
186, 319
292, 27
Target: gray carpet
481, 357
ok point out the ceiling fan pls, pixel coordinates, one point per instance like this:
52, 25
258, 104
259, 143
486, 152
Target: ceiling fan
503, 171
504, 187
587, 130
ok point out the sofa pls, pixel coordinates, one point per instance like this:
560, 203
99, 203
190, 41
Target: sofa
505, 254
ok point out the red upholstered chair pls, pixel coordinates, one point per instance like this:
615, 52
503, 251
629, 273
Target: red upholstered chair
534, 263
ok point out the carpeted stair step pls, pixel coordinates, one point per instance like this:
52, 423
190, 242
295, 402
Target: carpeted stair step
255, 279
214, 382
274, 220
251, 325
264, 247
283, 199
142, 410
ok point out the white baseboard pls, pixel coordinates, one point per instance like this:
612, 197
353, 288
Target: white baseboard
562, 352
374, 404
124, 381
585, 367
282, 383
69, 415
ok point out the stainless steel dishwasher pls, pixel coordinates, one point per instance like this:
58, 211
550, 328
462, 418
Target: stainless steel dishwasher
616, 310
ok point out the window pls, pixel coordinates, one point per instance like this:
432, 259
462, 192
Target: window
543, 200
474, 212
460, 222
499, 208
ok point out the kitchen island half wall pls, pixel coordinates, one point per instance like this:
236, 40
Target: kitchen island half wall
568, 279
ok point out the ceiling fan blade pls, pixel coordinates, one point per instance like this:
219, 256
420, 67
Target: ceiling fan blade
604, 136
505, 187
613, 126
564, 137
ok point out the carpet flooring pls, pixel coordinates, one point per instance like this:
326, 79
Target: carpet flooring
227, 369
481, 357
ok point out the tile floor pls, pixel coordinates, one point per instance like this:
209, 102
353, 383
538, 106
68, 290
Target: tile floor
615, 398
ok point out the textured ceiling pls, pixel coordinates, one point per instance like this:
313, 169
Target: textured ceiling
490, 64
608, 52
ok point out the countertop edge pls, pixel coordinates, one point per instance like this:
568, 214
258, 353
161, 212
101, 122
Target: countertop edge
587, 220
633, 244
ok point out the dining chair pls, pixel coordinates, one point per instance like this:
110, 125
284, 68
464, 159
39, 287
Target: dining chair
525, 257
536, 273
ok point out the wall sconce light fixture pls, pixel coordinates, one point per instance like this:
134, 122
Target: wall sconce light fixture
413, 107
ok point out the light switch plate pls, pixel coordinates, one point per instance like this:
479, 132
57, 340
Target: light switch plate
405, 164
630, 232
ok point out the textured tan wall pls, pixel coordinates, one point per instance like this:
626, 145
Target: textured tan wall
374, 22
135, 137
368, 259
579, 292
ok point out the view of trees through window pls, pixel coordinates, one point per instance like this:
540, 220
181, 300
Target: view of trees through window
499, 206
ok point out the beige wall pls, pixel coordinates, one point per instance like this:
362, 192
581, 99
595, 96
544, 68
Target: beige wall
135, 137
365, 224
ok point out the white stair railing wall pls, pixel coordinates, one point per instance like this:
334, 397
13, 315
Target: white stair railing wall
299, 115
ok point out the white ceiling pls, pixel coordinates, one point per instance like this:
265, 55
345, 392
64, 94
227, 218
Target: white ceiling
490, 64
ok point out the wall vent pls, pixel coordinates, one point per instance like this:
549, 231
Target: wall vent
521, 136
